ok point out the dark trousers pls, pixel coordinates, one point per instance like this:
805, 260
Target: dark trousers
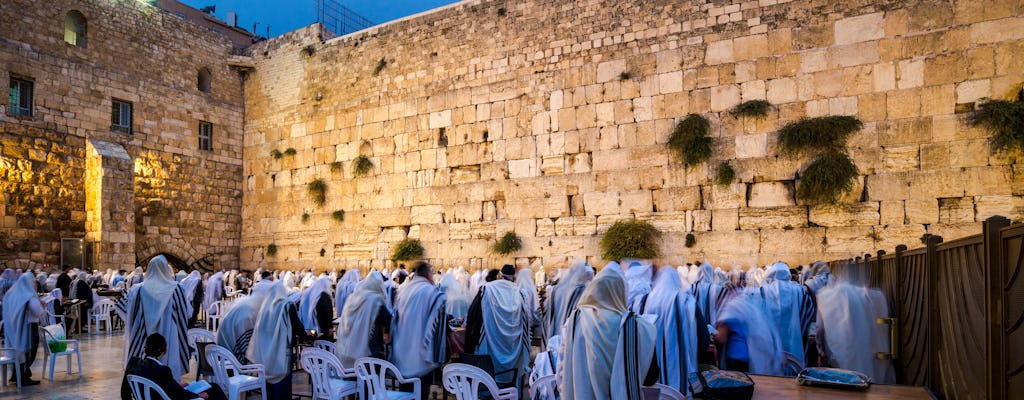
215, 393
33, 348
281, 390
425, 382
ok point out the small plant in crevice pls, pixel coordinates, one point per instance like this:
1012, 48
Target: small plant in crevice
406, 250
271, 250
726, 174
308, 50
362, 165
323, 252
818, 134
338, 215
630, 239
625, 76
317, 190
875, 236
380, 66
336, 166
508, 244
690, 141
1005, 120
290, 151
305, 217
787, 228
502, 12
752, 108
827, 178
690, 240
277, 154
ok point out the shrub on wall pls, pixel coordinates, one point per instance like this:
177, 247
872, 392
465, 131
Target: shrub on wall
725, 174
317, 192
305, 217
1005, 120
408, 249
827, 178
336, 166
690, 141
630, 239
290, 151
277, 154
832, 172
362, 165
380, 66
690, 240
508, 244
817, 134
271, 249
752, 108
338, 215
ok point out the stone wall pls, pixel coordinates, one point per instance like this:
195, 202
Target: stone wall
183, 201
549, 118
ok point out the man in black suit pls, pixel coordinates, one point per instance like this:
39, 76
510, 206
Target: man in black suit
64, 281
150, 367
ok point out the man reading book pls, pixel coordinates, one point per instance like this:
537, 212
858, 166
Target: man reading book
150, 367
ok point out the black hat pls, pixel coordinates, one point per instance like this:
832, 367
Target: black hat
508, 270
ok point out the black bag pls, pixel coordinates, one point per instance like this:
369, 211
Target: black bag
716, 384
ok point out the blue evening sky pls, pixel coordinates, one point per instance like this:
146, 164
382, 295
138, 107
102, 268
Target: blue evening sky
288, 15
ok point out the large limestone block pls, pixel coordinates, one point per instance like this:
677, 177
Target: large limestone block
950, 232
956, 210
773, 218
903, 158
736, 242
771, 194
861, 28
752, 146
675, 221
677, 199
989, 206
935, 184
635, 201
610, 70
429, 214
893, 212
525, 168
700, 220
859, 214
459, 231
985, 181
719, 53
584, 226
441, 119
925, 211
890, 236
852, 239
727, 196
469, 212
804, 240
888, 186
601, 203
783, 90
725, 220
545, 227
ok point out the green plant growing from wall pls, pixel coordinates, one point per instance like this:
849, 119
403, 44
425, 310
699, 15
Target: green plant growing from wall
317, 190
277, 154
308, 50
362, 165
726, 174
832, 172
305, 217
630, 239
336, 166
408, 249
508, 244
271, 250
820, 134
752, 108
338, 215
827, 178
1005, 120
380, 66
323, 252
690, 141
290, 151
690, 240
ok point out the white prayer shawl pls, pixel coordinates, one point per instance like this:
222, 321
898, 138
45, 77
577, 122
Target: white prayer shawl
706, 292
608, 348
236, 328
676, 323
505, 333
190, 283
789, 308
846, 314
684, 275
638, 282
136, 277
755, 276
547, 363
346, 285
271, 339
763, 343
418, 327
524, 279
358, 319
15, 313
213, 291
55, 294
475, 281
288, 280
563, 297
307, 305
158, 305
307, 280
458, 296
333, 276
819, 275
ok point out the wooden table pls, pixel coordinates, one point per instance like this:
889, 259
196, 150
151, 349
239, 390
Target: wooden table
778, 387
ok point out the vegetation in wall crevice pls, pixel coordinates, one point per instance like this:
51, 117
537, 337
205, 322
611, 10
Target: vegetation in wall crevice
508, 244
317, 190
752, 108
689, 140
630, 239
819, 134
406, 250
362, 165
1004, 120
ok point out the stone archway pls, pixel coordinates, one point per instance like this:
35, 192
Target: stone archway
175, 262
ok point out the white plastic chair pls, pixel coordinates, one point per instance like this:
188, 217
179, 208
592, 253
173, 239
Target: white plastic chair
325, 345
51, 357
143, 389
213, 316
101, 312
666, 392
9, 356
328, 375
548, 382
465, 382
233, 376
372, 373
194, 337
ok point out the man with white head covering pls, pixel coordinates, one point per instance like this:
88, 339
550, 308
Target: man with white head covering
277, 329
498, 324
22, 311
365, 322
819, 275
136, 277
847, 333
747, 341
419, 326
789, 308
563, 296
158, 305
638, 282
706, 291
193, 284
457, 295
346, 285
524, 279
213, 290
316, 308
237, 326
682, 332
609, 350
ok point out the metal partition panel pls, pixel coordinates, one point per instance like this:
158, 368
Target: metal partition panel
912, 306
1011, 370
959, 329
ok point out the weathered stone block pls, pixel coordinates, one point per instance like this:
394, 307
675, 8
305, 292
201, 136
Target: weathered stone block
728, 196
922, 211
859, 214
903, 158
956, 210
892, 212
989, 206
807, 241
851, 240
771, 194
601, 203
751, 146
773, 218
859, 29
677, 199
725, 219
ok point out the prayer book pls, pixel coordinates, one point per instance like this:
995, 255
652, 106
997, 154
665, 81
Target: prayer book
198, 387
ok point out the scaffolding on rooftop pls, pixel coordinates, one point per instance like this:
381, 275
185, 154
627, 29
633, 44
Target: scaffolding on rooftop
338, 19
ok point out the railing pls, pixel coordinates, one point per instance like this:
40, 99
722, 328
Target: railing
956, 311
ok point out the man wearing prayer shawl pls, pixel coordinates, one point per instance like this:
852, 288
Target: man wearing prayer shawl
80, 290
706, 291
158, 305
21, 312
682, 332
562, 297
277, 329
498, 324
819, 275
237, 326
747, 341
418, 327
848, 334
193, 284
63, 280
609, 350
458, 298
524, 279
365, 322
213, 290
638, 282
316, 308
346, 285
136, 277
789, 308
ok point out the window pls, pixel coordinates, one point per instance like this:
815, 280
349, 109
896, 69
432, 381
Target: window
205, 80
20, 97
74, 28
121, 116
205, 136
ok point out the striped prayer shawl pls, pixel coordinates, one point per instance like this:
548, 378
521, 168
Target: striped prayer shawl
631, 358
177, 340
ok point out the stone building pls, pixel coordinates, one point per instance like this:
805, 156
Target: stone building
546, 118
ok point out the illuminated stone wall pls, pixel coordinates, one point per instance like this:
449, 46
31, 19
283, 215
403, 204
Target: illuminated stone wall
549, 118
182, 201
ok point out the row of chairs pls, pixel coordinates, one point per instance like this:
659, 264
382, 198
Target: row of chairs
9, 356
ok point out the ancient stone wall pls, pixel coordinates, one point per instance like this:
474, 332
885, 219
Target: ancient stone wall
550, 118
185, 202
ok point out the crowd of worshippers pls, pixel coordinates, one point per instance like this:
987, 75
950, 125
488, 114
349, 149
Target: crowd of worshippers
603, 334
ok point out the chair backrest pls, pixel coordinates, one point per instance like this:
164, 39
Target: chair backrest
324, 345
224, 364
321, 366
372, 373
544, 386
104, 307
217, 309
666, 392
143, 389
465, 381
197, 335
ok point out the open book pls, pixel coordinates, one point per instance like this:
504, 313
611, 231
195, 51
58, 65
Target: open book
198, 387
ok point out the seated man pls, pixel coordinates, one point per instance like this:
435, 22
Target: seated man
150, 367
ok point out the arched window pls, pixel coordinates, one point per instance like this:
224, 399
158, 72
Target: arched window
74, 28
205, 79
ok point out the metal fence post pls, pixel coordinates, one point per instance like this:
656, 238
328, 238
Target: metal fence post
994, 271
